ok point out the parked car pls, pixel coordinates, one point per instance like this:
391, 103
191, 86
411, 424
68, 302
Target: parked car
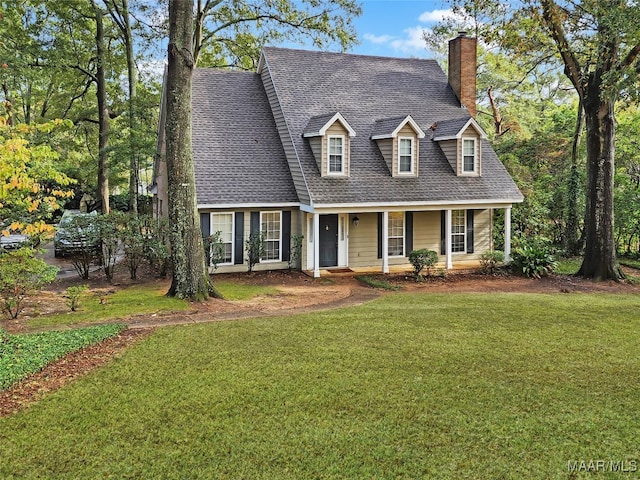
76, 232
14, 241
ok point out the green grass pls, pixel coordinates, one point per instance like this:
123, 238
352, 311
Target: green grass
376, 283
436, 386
630, 262
239, 291
22, 355
135, 300
568, 266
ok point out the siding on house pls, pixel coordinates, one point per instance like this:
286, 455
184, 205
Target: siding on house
450, 150
271, 265
335, 129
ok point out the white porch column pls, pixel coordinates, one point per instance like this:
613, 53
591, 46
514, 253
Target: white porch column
385, 242
316, 245
447, 242
507, 234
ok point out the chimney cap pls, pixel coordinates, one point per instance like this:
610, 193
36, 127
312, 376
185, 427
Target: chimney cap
462, 33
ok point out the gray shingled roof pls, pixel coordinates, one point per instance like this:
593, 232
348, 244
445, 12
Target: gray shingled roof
386, 126
316, 123
237, 151
450, 128
365, 89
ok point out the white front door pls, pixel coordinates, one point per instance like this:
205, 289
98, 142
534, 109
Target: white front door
343, 239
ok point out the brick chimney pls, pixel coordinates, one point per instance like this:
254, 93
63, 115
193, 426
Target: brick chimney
462, 70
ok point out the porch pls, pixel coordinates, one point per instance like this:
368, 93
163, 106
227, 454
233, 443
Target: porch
380, 241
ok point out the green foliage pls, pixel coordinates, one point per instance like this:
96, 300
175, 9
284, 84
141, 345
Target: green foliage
295, 254
254, 247
110, 227
534, 259
22, 274
376, 282
73, 295
421, 259
157, 250
216, 249
22, 355
136, 232
490, 260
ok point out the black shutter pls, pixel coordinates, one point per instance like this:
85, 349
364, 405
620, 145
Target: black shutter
379, 234
205, 228
408, 234
470, 231
286, 235
238, 247
443, 232
255, 223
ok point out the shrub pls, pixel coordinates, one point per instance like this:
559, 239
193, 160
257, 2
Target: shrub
254, 247
295, 254
109, 229
73, 295
215, 248
79, 238
489, 261
421, 259
135, 234
534, 259
21, 274
156, 249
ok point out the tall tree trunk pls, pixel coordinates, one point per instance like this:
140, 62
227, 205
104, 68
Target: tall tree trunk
572, 243
599, 260
8, 104
103, 114
190, 276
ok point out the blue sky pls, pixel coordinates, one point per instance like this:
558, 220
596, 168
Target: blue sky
394, 27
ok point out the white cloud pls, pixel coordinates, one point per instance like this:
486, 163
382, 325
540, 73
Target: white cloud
435, 16
411, 43
378, 39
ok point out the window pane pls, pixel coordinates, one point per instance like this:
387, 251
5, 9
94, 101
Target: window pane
270, 227
458, 230
335, 154
395, 234
469, 155
222, 223
405, 155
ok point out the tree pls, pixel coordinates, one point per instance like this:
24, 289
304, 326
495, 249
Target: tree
31, 185
230, 33
190, 277
597, 44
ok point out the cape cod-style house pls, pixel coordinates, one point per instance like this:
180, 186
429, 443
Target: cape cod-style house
368, 158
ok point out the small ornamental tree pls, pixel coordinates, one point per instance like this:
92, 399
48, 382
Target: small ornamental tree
109, 229
22, 274
255, 249
296, 250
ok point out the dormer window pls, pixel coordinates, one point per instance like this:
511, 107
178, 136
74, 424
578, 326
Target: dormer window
405, 154
329, 138
398, 140
336, 155
469, 155
460, 140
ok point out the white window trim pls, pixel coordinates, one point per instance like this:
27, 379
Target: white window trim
343, 169
279, 259
475, 156
413, 155
404, 233
233, 233
464, 234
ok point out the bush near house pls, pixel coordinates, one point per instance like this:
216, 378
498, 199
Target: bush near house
421, 259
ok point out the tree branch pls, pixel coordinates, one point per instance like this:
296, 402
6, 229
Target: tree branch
551, 15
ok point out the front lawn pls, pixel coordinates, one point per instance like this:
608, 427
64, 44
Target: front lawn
22, 355
442, 386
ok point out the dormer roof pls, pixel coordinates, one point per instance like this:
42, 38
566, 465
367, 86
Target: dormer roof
454, 128
317, 126
389, 127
